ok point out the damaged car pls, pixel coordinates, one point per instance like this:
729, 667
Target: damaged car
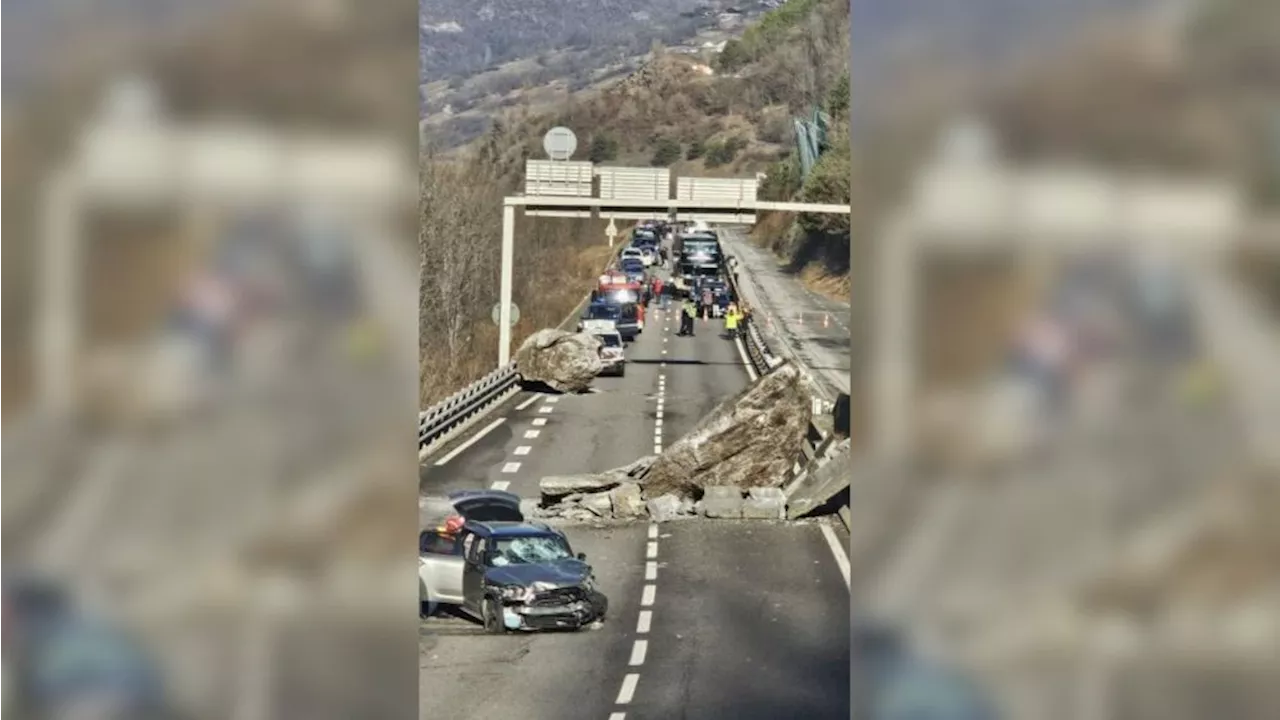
509, 573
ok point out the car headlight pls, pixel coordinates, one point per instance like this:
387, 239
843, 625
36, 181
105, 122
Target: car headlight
515, 593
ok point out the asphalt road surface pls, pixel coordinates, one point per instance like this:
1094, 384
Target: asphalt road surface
811, 328
707, 619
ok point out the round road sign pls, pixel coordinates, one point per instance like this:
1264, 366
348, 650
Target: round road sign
560, 143
497, 314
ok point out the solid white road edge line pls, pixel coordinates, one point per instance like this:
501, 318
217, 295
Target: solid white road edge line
529, 402
746, 361
837, 550
470, 441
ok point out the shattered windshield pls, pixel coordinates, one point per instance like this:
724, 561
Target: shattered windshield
530, 550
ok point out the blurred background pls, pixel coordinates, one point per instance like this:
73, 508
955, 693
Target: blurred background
1065, 278
210, 359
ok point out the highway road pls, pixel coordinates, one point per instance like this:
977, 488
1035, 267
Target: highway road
708, 619
796, 321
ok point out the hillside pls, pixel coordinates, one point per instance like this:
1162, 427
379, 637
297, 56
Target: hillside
675, 110
477, 61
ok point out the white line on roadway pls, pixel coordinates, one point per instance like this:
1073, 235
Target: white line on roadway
746, 362
657, 449
500, 485
645, 621
646, 597
652, 551
539, 422
470, 441
651, 570
638, 651
511, 467
528, 402
653, 531
628, 690
545, 409
617, 716
531, 434
842, 559
522, 450
657, 422
552, 399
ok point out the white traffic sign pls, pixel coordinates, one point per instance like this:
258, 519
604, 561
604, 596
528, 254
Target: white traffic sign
560, 143
611, 232
497, 314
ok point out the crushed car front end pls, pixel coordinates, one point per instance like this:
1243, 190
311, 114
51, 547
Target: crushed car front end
538, 607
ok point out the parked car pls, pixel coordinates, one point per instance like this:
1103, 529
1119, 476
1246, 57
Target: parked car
509, 573
634, 268
632, 253
612, 354
649, 256
600, 317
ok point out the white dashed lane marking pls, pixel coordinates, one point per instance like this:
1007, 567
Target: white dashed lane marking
522, 450
528, 402
546, 409
644, 622
500, 485
552, 399
539, 422
628, 690
531, 434
511, 467
638, 651
650, 569
652, 552
646, 597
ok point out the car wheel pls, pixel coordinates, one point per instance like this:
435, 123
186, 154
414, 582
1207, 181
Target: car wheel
493, 618
622, 371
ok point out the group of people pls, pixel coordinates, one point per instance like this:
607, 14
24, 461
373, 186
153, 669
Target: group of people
691, 311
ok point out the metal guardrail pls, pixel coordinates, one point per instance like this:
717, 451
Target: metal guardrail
446, 418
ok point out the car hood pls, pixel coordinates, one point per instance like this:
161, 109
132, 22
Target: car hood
569, 572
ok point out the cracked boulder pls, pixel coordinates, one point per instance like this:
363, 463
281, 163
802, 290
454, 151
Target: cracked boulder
564, 361
751, 440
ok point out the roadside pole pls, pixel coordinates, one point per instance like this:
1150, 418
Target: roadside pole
504, 292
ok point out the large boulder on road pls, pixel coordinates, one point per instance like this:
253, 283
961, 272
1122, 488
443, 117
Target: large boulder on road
564, 361
751, 440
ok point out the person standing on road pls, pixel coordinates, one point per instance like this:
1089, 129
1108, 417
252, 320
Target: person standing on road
731, 322
706, 302
657, 287
690, 311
